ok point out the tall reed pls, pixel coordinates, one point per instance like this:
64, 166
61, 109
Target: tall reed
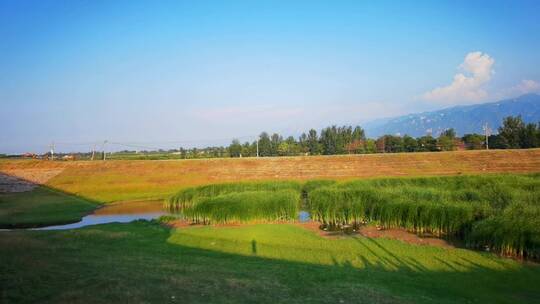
245, 207
500, 212
189, 196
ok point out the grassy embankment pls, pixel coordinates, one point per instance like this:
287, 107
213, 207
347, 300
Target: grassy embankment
41, 207
111, 181
145, 262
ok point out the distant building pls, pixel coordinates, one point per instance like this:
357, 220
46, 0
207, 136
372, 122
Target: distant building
68, 157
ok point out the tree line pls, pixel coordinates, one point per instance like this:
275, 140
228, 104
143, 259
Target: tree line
334, 140
514, 133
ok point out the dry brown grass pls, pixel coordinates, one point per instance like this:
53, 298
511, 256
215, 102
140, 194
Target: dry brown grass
120, 180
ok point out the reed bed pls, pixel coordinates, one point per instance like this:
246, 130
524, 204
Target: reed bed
405, 208
499, 212
312, 185
242, 207
515, 232
188, 197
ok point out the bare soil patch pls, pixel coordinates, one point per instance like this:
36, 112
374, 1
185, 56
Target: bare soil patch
403, 235
13, 179
373, 232
11, 184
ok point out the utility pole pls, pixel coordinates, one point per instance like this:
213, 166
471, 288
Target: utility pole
93, 151
257, 147
52, 150
486, 133
103, 148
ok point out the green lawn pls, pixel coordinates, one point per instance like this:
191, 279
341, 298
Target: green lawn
146, 262
41, 206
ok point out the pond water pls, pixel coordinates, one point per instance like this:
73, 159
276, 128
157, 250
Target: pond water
303, 216
123, 212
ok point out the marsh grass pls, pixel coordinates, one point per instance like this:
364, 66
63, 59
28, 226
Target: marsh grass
499, 212
514, 232
312, 185
190, 196
242, 207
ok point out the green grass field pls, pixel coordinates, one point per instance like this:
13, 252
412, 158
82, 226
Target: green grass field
41, 206
147, 262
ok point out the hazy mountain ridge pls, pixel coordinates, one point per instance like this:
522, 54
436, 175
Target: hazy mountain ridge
464, 119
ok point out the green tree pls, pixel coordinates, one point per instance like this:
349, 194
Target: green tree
265, 145
446, 140
248, 149
275, 141
357, 144
313, 142
427, 143
446, 143
235, 149
450, 133
497, 142
303, 143
409, 144
390, 144
283, 149
345, 137
183, 153
511, 132
359, 134
330, 140
370, 146
293, 146
529, 136
194, 153
474, 141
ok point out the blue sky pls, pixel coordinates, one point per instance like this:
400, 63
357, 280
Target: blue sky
204, 72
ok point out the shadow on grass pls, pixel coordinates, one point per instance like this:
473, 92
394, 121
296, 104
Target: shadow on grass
41, 206
142, 265
399, 276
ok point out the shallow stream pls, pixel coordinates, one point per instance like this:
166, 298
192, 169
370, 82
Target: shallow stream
123, 212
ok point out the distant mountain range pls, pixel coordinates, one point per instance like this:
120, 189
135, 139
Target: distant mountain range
464, 119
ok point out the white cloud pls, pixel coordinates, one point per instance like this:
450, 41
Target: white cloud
466, 87
526, 86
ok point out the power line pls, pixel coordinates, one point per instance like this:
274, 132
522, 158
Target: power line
153, 145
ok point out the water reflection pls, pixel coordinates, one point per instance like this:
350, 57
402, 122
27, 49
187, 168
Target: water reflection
123, 212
